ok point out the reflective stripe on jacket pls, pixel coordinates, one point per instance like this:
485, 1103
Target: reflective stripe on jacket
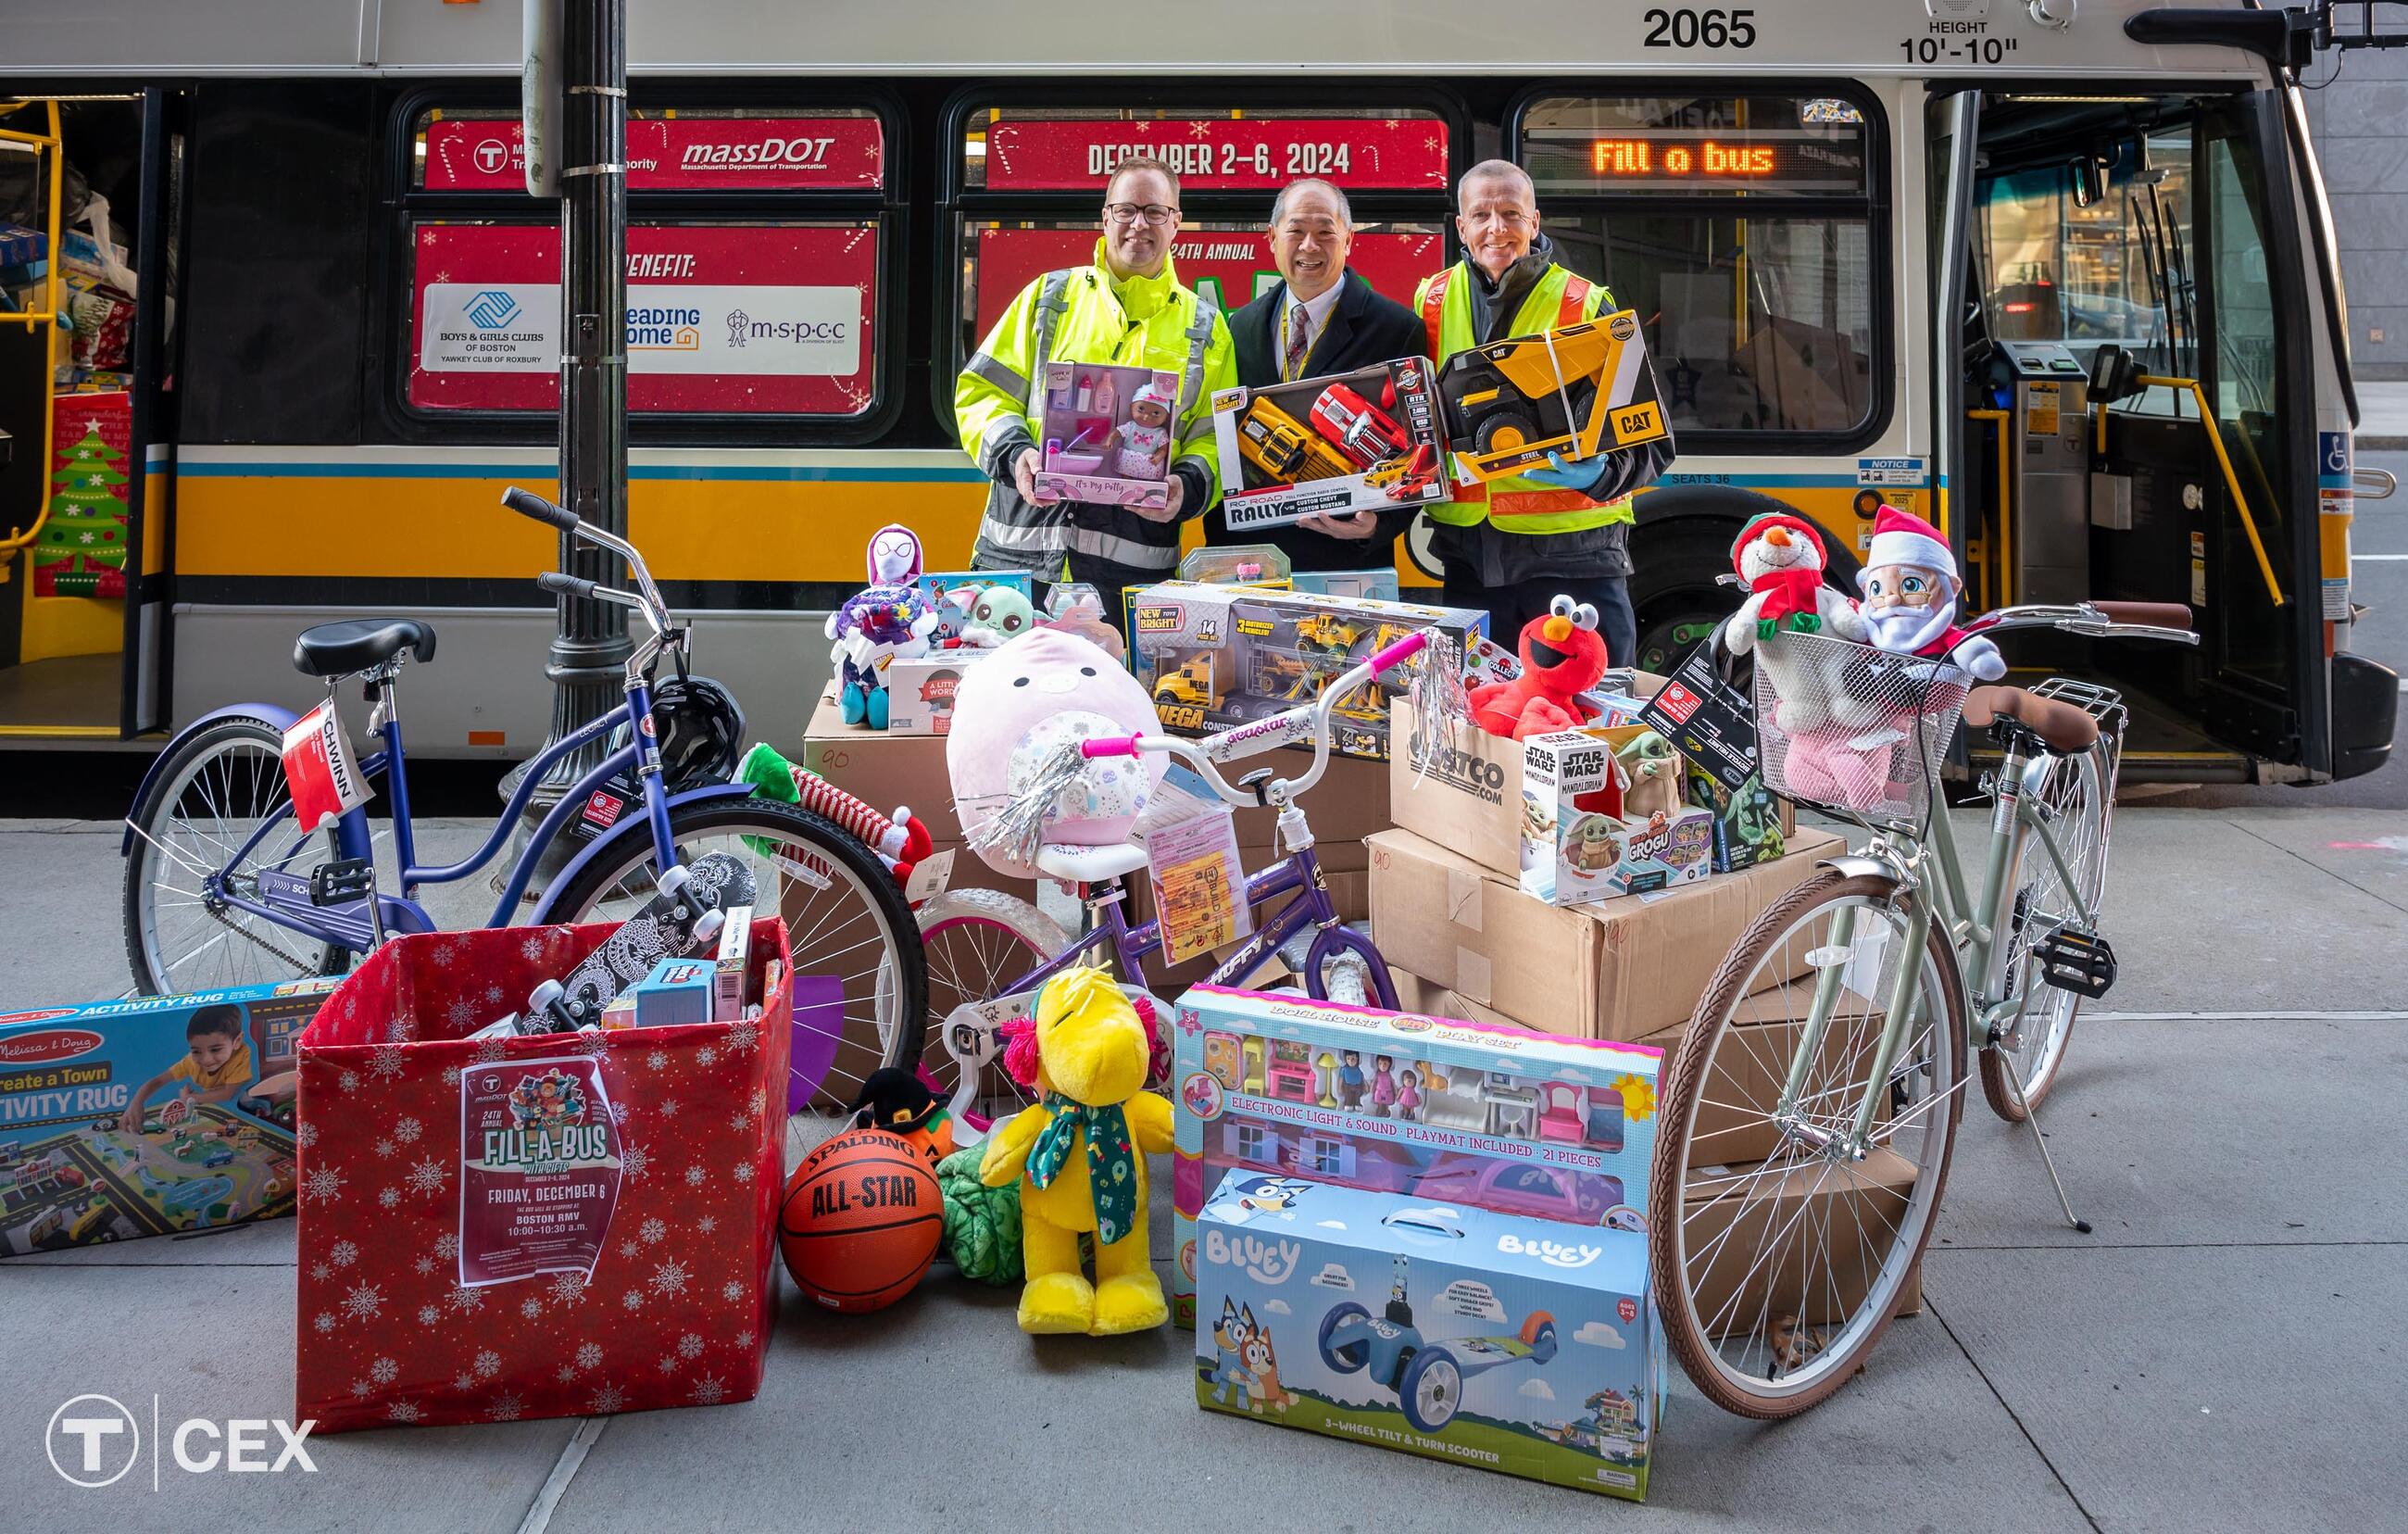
1079, 315
1514, 504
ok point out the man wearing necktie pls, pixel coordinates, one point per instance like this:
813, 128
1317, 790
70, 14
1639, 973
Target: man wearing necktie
1317, 320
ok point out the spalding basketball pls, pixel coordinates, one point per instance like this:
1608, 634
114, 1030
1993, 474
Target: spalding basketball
861, 1220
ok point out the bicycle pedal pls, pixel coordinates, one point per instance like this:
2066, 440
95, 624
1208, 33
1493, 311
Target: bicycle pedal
2074, 960
341, 882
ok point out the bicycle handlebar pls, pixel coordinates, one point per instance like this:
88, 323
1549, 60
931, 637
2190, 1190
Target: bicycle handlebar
562, 584
526, 503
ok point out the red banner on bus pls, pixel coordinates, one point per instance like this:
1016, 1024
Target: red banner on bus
1232, 265
677, 154
756, 319
1220, 154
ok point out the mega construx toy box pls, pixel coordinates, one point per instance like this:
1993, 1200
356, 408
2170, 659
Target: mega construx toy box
1459, 1334
148, 1117
1494, 1117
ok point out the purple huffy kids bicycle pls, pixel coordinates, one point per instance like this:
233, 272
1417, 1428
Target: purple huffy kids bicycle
989, 952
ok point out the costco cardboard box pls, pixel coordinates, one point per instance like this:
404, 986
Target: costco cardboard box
1466, 794
1619, 970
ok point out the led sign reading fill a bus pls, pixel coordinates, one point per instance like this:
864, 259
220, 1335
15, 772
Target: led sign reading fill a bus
1639, 157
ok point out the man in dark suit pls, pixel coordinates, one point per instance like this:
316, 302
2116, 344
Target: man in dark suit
1319, 319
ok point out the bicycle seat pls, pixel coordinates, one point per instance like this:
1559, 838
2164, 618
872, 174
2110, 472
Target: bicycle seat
1089, 865
2064, 726
337, 650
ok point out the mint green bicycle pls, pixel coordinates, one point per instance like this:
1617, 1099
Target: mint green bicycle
1805, 1122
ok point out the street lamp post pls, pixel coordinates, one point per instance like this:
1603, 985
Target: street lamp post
590, 645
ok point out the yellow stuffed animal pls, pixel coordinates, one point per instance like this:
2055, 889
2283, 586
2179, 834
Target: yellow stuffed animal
1080, 1156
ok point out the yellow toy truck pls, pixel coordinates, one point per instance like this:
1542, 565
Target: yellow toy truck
1277, 444
1510, 402
1185, 692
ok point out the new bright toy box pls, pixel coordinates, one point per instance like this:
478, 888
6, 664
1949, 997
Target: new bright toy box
1499, 1118
1459, 1334
71, 1174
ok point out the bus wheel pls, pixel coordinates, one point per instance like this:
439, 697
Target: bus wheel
1672, 589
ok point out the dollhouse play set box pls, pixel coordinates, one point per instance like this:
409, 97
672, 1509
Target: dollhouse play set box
1492, 1117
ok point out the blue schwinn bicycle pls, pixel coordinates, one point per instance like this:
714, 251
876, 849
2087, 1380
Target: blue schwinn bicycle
222, 887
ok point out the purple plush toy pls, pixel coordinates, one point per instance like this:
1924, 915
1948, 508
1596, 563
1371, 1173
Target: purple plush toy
876, 624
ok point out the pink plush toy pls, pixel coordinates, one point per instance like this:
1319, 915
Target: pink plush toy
1018, 716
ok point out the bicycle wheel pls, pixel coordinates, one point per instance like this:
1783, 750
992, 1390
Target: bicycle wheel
1780, 1256
848, 928
978, 941
205, 801
2076, 792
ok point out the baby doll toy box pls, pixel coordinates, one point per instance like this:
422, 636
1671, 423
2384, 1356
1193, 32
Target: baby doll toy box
1107, 434
1492, 1339
1213, 655
1499, 1117
148, 1117
1604, 813
1368, 440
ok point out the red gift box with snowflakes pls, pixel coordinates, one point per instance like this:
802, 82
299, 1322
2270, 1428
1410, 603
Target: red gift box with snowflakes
568, 1225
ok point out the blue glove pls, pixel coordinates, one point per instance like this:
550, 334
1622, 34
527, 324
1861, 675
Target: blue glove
1582, 474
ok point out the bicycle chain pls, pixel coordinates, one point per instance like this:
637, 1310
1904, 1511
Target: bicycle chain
303, 965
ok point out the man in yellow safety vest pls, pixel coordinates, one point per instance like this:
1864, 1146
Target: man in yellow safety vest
1513, 545
1129, 308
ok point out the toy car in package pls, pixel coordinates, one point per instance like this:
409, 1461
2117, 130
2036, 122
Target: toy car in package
1212, 656
1107, 434
1361, 442
1581, 391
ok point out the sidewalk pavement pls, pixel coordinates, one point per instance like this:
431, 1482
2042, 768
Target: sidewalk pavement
2382, 415
2222, 1347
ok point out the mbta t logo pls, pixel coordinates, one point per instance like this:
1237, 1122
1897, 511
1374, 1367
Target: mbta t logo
93, 1440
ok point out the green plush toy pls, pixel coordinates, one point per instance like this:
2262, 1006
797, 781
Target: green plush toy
981, 1224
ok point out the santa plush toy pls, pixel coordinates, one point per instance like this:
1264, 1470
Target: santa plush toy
1782, 559
1911, 588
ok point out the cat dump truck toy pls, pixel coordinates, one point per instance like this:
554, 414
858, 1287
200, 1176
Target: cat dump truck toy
1511, 403
1277, 443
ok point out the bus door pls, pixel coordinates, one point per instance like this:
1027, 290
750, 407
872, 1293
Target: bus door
2135, 400
85, 193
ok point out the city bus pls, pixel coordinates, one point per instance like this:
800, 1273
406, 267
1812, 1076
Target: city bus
2062, 279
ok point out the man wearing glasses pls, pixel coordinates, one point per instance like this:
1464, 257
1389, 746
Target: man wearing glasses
1126, 309
1319, 319
1513, 545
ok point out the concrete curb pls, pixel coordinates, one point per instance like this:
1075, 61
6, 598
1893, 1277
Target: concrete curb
2366, 443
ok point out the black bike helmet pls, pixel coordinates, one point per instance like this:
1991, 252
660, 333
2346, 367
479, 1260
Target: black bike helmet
700, 730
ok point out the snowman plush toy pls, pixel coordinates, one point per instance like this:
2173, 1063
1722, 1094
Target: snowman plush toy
1782, 559
1911, 588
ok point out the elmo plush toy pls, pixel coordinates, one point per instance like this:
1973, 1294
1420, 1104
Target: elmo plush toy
1562, 657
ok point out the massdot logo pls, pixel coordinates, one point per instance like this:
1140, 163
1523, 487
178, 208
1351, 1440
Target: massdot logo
88, 1436
491, 309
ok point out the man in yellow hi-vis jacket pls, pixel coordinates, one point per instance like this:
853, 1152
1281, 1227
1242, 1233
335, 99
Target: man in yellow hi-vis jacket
1513, 545
1126, 309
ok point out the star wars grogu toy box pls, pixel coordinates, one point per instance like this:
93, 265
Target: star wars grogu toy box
1605, 812
1499, 1340
1369, 440
1582, 391
148, 1117
1478, 1115
1214, 656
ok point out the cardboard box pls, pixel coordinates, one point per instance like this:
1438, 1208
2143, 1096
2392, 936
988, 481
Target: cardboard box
1216, 656
1092, 445
920, 693
1467, 792
1816, 1281
69, 1176
1499, 1117
1603, 815
732, 963
1369, 440
1733, 1111
1459, 1334
1508, 403
1619, 969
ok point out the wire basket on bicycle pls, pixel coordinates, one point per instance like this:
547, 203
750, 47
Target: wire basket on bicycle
1853, 731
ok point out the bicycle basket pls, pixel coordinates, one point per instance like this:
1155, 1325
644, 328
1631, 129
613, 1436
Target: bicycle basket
1853, 731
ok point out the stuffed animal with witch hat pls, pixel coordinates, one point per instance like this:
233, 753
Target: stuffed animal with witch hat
1079, 1157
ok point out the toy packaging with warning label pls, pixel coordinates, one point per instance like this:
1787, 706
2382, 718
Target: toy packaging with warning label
1370, 440
1212, 656
148, 1117
1582, 391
